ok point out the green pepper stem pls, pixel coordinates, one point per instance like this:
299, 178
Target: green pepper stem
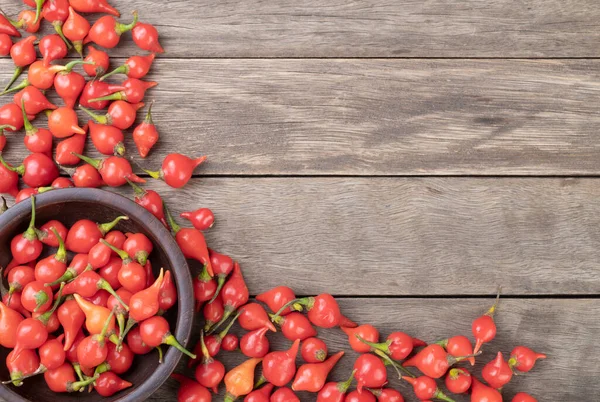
297, 304
393, 363
121, 253
175, 228
148, 118
130, 323
102, 119
160, 354
29, 129
114, 96
61, 254
171, 341
78, 385
38, 10
30, 234
16, 74
122, 69
103, 284
90, 161
121, 28
108, 226
137, 190
228, 327
44, 318
23, 84
58, 29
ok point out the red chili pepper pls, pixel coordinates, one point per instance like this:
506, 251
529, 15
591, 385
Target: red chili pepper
51, 268
190, 390
387, 395
150, 278
37, 4
26, 247
120, 114
94, 6
144, 304
201, 219
458, 380
193, 245
27, 193
56, 12
255, 343
150, 200
85, 234
95, 316
33, 100
71, 353
523, 397
110, 272
295, 326
313, 350
260, 395
76, 28
22, 366
63, 123
253, 316
132, 276
356, 396
312, 376
357, 336
62, 182
69, 84
523, 359
335, 391
145, 135
23, 54
100, 298
497, 372
108, 140
52, 47
2, 136
234, 293
239, 381
213, 313
63, 379
210, 372
425, 388
323, 310
64, 149
9, 322
138, 246
284, 395
458, 346
135, 342
28, 20
134, 67
134, 91
78, 265
92, 350
87, 176
484, 327
167, 296
119, 359
88, 283
52, 354
482, 393
99, 256
222, 266
109, 384
370, 371
230, 343
7, 28
100, 60
47, 236
106, 31
10, 114
37, 170
18, 277
155, 331
95, 89
31, 334
9, 181
145, 37
177, 169
115, 170
5, 44
433, 361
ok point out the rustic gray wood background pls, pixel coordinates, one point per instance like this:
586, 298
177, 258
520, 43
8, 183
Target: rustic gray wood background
406, 156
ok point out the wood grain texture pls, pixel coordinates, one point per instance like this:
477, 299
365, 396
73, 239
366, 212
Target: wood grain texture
373, 28
550, 326
409, 236
375, 117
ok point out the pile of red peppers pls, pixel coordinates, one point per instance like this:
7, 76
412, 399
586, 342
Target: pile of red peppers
81, 321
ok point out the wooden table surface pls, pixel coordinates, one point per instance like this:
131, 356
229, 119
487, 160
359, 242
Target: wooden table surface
407, 156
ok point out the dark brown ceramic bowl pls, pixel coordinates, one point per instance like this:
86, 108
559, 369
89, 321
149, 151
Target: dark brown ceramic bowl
68, 206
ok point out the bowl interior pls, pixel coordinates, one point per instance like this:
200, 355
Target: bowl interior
68, 206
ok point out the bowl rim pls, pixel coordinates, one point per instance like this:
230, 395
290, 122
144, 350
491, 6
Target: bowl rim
182, 277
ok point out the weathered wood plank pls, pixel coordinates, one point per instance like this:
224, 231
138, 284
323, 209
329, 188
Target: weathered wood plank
373, 28
376, 117
563, 329
385, 236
